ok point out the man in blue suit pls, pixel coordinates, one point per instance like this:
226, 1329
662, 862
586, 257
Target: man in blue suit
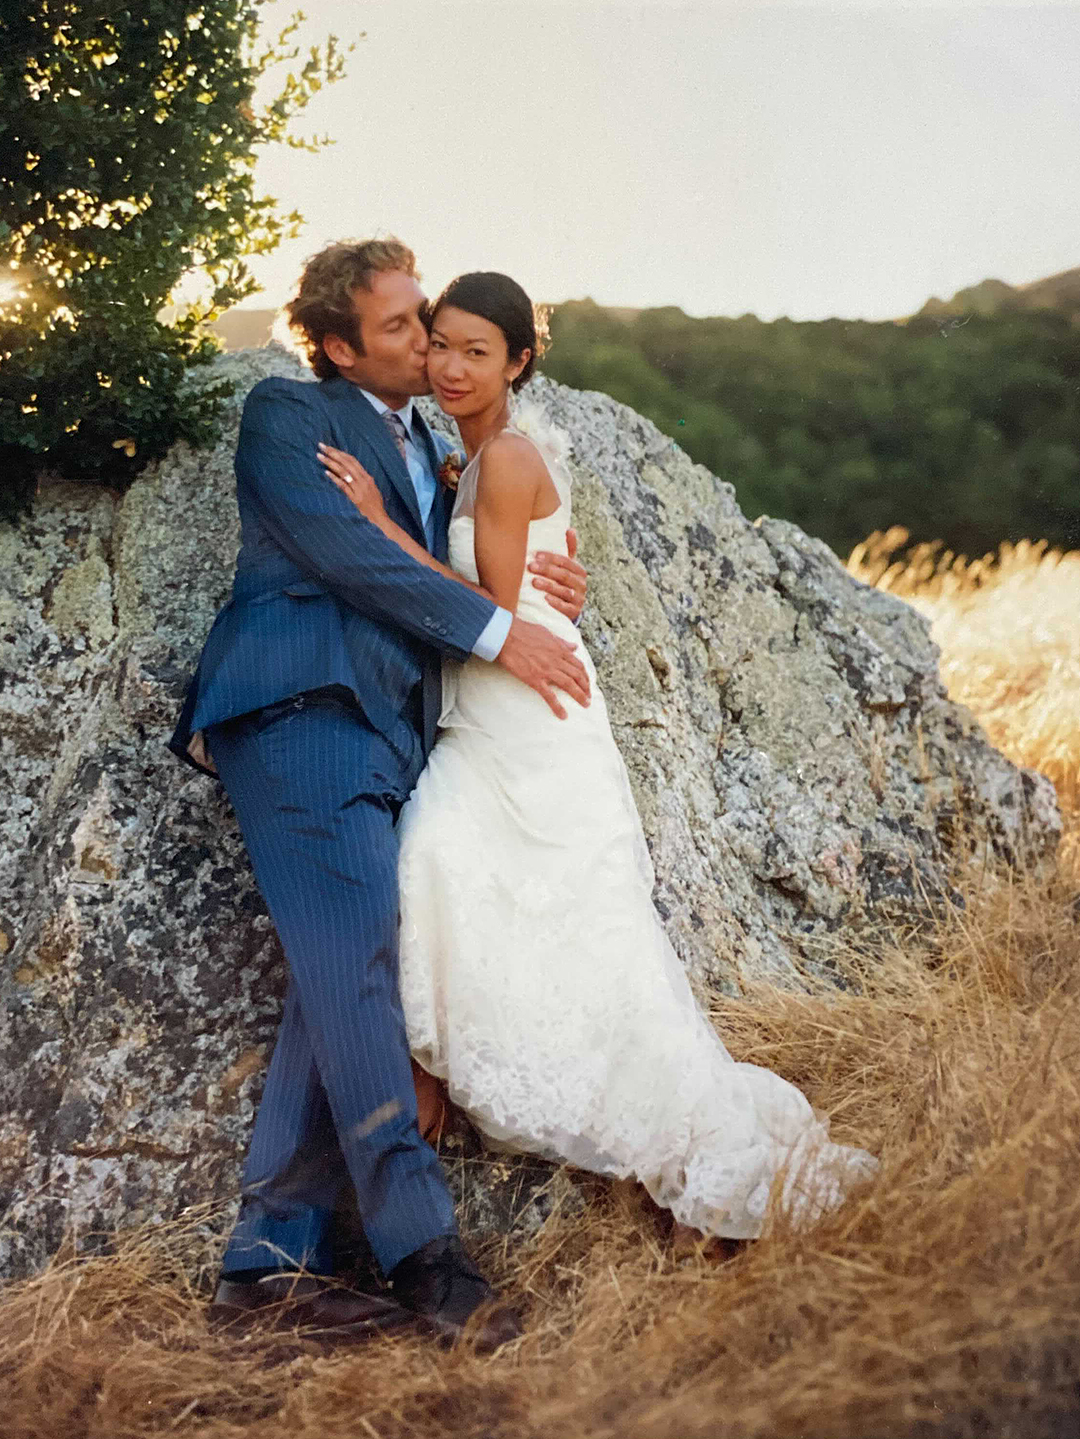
315, 701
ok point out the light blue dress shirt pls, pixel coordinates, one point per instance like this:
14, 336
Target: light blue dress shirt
493, 636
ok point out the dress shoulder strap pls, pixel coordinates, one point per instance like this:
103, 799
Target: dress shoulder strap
551, 443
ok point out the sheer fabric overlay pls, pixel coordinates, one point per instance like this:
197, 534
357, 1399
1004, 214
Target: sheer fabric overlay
536, 976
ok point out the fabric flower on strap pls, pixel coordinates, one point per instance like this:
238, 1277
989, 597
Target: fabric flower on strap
529, 419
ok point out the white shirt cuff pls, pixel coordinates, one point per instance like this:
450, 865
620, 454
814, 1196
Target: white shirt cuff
493, 636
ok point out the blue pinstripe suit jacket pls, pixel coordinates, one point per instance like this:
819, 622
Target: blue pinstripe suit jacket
321, 596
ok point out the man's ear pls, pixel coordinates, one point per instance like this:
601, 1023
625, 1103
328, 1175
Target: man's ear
519, 364
339, 351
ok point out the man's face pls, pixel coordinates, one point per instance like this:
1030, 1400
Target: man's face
395, 339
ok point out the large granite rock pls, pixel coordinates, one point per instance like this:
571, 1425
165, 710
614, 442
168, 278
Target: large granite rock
799, 769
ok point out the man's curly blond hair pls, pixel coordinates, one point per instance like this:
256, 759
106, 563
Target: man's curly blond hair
323, 302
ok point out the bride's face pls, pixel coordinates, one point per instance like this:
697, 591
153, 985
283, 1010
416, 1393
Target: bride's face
468, 364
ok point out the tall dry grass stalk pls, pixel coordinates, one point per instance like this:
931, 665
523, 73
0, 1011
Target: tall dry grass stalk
942, 1301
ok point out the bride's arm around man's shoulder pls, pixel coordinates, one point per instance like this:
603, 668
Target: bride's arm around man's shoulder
280, 479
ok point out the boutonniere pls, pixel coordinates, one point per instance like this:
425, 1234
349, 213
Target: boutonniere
450, 469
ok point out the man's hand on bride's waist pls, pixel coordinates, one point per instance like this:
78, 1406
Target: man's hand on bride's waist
563, 578
545, 663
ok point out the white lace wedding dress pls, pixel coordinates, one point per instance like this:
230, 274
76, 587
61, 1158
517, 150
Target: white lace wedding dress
536, 976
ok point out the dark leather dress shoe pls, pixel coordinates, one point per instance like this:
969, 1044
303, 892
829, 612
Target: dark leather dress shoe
442, 1286
318, 1307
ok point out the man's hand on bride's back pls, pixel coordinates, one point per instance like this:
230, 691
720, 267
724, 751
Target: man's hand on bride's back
545, 663
563, 578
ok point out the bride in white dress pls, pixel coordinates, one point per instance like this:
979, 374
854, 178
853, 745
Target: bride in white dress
536, 977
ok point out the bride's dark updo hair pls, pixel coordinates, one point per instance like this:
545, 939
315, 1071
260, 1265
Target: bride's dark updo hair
503, 303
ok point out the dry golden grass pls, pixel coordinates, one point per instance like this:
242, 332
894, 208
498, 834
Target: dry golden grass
943, 1300
1008, 628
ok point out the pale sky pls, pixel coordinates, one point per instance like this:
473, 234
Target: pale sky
805, 160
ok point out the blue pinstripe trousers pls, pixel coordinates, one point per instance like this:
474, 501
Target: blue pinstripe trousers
316, 793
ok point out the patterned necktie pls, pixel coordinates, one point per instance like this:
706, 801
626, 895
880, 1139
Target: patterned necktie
396, 426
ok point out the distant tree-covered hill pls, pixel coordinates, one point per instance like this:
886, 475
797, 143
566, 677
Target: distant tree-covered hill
242, 329
960, 424
1059, 292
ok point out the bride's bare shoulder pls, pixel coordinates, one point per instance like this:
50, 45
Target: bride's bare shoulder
510, 460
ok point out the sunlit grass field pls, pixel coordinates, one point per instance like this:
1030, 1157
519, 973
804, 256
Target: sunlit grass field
944, 1300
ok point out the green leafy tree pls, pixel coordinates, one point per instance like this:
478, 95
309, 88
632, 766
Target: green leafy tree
128, 142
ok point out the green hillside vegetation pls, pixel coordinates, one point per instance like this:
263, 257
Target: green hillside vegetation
961, 423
